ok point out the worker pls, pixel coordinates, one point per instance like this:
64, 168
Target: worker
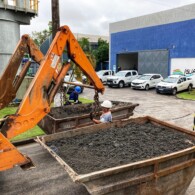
75, 95
106, 113
119, 68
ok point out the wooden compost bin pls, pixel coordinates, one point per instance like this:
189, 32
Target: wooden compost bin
55, 122
167, 174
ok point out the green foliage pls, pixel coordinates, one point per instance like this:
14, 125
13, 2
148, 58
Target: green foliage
40, 37
102, 52
85, 45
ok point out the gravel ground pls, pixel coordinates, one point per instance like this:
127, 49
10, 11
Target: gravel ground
79, 109
118, 146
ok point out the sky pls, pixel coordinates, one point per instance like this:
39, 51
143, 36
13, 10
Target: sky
94, 16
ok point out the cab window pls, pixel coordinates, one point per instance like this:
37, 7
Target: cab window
157, 76
106, 73
180, 80
128, 74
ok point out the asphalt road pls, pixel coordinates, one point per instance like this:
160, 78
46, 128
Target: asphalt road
50, 178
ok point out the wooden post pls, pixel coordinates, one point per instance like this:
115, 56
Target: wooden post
55, 17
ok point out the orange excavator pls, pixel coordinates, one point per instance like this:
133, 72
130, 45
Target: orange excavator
10, 81
39, 96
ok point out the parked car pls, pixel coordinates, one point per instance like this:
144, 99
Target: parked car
84, 78
146, 81
174, 84
71, 87
191, 77
122, 78
104, 74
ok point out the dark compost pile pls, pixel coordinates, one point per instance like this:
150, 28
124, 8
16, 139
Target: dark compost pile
78, 109
119, 146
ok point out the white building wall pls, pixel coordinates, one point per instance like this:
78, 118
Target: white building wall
182, 66
164, 17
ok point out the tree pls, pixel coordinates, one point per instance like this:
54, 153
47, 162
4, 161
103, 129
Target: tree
102, 52
40, 37
85, 45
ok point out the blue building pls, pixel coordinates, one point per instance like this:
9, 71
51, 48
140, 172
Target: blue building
162, 42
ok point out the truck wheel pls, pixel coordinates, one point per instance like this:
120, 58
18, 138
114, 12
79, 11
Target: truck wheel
147, 87
174, 91
121, 84
190, 88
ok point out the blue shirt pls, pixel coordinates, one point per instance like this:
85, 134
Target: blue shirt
106, 117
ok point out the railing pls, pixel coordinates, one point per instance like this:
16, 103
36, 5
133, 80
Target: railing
27, 5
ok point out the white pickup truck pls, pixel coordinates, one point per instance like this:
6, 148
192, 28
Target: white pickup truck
122, 78
174, 84
104, 74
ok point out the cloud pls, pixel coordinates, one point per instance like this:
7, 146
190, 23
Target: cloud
94, 16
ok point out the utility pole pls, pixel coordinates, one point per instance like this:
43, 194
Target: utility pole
55, 17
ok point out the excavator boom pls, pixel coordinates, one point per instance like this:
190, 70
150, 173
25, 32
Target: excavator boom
40, 94
9, 82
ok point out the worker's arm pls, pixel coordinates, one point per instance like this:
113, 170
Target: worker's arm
96, 121
9, 82
104, 118
40, 94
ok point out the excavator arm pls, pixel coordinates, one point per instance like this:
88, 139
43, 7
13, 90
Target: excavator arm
40, 94
9, 82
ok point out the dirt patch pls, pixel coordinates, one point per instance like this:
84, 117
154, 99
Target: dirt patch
78, 109
119, 146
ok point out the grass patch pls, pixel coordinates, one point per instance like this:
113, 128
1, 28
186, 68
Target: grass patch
36, 131
85, 101
187, 95
7, 111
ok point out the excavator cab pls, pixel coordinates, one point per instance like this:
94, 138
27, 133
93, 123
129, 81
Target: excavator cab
39, 96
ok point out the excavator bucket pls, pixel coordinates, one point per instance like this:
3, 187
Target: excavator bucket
10, 156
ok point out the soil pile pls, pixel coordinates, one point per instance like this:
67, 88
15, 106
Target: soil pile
119, 146
79, 109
